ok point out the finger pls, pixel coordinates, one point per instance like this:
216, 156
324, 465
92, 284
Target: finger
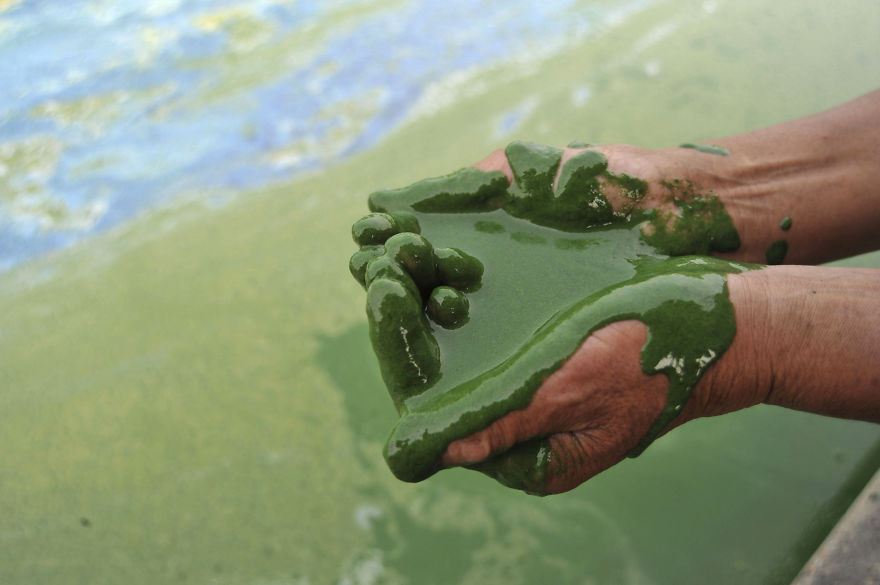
497, 437
459, 269
567, 153
534, 168
415, 254
373, 229
579, 191
543, 416
464, 191
553, 465
357, 265
524, 467
497, 161
408, 354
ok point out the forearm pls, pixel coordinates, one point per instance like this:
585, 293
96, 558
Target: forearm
806, 339
822, 171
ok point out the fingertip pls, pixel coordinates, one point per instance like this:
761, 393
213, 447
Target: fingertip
373, 229
448, 307
357, 265
450, 457
497, 161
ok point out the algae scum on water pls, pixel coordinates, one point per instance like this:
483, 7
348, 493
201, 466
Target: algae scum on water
477, 290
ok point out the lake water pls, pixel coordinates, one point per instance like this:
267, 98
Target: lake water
187, 392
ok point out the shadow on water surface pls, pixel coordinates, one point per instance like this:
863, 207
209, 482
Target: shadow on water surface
348, 360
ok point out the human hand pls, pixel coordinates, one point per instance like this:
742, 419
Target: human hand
594, 410
575, 262
772, 177
805, 340
591, 413
664, 181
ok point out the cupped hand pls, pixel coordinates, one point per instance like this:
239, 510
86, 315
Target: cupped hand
593, 411
672, 175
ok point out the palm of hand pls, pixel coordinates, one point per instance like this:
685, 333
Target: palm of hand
591, 412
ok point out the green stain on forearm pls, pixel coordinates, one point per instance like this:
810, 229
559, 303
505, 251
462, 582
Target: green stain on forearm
776, 252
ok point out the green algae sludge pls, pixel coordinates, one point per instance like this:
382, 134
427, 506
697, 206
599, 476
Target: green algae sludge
506, 281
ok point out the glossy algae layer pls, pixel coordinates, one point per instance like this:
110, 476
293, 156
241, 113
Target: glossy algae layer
701, 225
706, 148
540, 269
776, 252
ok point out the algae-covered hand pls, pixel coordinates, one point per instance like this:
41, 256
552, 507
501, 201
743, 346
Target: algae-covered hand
585, 417
805, 340
597, 329
596, 409
801, 331
671, 190
800, 192
569, 246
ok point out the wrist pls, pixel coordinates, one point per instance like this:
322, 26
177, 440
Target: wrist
822, 329
820, 171
805, 340
780, 201
743, 376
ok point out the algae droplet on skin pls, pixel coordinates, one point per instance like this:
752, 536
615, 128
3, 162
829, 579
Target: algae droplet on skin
467, 320
785, 224
776, 252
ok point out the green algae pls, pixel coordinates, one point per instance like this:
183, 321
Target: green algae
785, 224
633, 188
701, 225
524, 467
448, 307
458, 269
776, 252
559, 263
682, 300
706, 148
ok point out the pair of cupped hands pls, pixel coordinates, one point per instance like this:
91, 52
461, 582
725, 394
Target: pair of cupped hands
806, 335
596, 407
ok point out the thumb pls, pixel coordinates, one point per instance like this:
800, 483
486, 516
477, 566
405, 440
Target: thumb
501, 435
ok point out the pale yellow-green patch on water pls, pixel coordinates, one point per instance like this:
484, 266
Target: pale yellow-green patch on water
7, 4
255, 57
26, 168
242, 27
96, 112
